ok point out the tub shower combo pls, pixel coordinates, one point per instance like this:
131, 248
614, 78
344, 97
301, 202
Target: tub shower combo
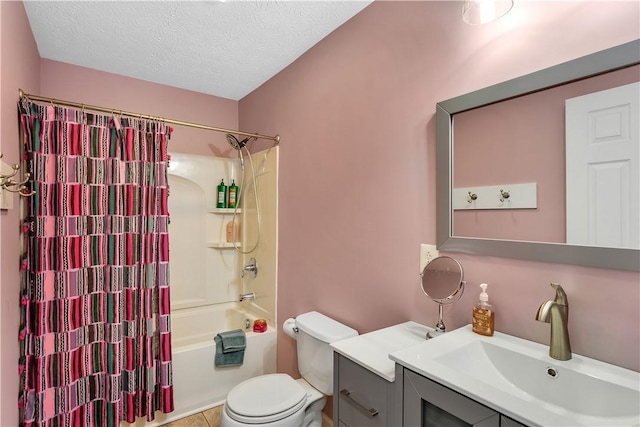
168, 370
215, 287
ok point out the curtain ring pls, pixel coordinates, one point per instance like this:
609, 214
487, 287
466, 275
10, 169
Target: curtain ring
25, 102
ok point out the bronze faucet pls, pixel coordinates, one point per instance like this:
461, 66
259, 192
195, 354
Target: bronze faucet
556, 313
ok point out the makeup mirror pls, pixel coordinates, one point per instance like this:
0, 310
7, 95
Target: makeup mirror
442, 281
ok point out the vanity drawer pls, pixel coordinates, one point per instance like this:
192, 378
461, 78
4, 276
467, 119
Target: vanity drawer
362, 397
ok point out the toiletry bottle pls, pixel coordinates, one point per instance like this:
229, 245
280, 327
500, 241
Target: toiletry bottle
232, 231
483, 314
222, 195
233, 194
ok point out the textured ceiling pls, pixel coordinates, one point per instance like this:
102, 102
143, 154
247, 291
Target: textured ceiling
222, 48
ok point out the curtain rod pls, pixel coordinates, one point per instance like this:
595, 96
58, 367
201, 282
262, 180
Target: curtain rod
24, 95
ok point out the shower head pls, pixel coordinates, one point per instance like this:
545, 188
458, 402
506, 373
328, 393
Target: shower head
234, 143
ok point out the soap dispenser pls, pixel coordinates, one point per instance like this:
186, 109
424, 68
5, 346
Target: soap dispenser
483, 314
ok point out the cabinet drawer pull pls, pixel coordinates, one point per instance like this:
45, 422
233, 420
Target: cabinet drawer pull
371, 412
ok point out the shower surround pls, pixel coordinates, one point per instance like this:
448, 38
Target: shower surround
205, 278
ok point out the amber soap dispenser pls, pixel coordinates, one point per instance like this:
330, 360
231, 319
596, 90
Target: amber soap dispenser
483, 314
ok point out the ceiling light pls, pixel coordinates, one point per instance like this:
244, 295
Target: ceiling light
476, 12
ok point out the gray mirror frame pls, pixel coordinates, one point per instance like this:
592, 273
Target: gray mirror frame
618, 57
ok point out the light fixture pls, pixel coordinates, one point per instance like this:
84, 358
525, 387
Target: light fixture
477, 12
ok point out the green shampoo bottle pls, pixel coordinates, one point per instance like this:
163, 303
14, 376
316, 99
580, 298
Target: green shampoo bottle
233, 194
222, 195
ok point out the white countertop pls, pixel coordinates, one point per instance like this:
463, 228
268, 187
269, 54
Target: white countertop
451, 361
371, 350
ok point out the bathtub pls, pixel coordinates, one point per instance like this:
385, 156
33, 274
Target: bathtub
198, 384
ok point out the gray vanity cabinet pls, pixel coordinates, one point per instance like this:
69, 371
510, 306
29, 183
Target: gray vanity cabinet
360, 397
427, 403
508, 422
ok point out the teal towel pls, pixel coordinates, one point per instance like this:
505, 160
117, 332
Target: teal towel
230, 347
233, 340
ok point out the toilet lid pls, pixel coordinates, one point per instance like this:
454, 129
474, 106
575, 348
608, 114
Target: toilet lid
265, 398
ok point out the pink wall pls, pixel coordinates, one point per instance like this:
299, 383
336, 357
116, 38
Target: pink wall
357, 170
19, 67
517, 141
84, 85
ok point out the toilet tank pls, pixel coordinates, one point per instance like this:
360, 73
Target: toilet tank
315, 358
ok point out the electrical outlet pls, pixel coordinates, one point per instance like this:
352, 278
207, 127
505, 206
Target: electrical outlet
427, 253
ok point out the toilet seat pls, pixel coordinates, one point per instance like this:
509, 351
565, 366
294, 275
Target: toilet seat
265, 399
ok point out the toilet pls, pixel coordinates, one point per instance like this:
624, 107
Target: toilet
278, 399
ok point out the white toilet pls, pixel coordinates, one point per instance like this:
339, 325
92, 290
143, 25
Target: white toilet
278, 399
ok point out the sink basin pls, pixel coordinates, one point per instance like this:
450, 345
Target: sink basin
518, 378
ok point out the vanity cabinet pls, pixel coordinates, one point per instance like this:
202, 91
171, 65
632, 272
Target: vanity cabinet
427, 403
508, 422
365, 379
360, 397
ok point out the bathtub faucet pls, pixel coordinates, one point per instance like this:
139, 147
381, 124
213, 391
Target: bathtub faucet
251, 296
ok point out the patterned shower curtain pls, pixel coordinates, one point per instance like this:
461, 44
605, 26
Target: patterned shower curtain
95, 332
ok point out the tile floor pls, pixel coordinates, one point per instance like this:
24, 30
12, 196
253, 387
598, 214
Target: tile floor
208, 418
211, 418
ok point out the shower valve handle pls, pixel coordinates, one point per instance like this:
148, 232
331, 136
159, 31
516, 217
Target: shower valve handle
252, 268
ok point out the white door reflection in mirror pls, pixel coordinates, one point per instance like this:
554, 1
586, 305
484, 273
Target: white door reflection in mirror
603, 168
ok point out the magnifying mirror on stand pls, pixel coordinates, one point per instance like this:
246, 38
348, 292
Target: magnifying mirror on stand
442, 281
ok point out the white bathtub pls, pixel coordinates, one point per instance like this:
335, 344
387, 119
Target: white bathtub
198, 384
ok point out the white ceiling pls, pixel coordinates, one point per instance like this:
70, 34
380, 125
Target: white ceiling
222, 48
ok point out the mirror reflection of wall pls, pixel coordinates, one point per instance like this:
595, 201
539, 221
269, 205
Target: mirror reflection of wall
521, 140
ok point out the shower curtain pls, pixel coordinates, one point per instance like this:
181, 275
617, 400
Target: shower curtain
95, 332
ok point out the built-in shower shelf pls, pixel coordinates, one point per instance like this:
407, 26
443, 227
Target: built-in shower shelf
224, 211
223, 245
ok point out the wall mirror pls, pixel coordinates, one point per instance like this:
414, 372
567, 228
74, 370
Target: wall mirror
509, 114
